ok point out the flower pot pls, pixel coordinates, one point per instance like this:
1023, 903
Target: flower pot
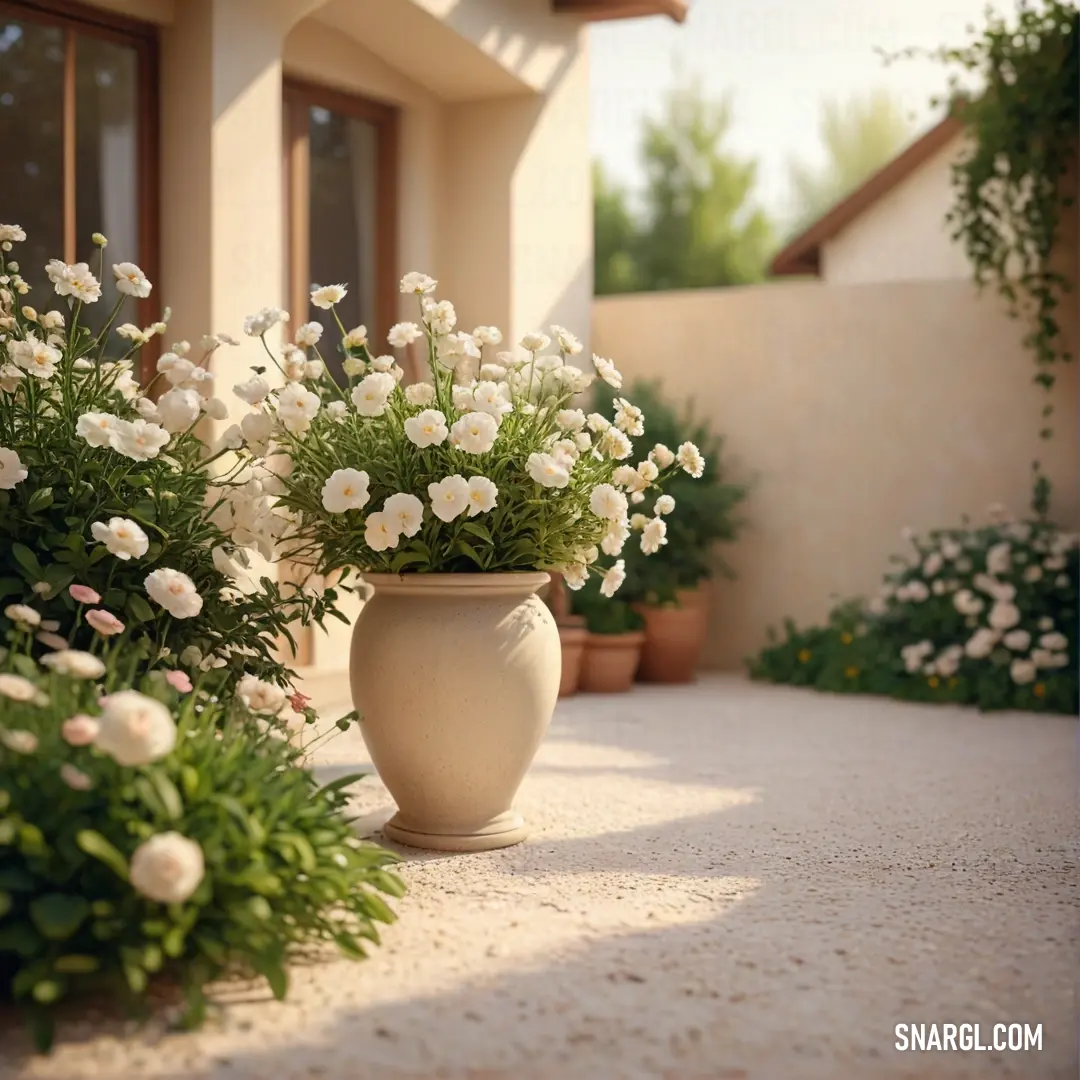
674, 637
455, 677
610, 661
572, 636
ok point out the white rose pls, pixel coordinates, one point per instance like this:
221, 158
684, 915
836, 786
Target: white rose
613, 579
73, 662
121, 537
253, 390
175, 592
1054, 641
1017, 640
608, 502
981, 643
1004, 615
167, 868
134, 729
1023, 671
178, 409
260, 697
654, 536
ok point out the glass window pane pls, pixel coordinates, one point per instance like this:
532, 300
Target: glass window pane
342, 221
31, 145
107, 167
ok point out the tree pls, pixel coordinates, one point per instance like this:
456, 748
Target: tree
859, 136
698, 227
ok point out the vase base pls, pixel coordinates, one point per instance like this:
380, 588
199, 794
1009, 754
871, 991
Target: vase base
505, 830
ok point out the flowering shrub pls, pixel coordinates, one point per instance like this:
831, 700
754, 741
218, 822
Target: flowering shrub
153, 829
104, 486
986, 616
486, 467
703, 513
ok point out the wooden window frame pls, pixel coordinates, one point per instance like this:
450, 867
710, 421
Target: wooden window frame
298, 96
72, 18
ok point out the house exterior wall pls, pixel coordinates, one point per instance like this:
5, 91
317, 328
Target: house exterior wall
903, 236
853, 410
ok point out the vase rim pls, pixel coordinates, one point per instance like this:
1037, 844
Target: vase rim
513, 582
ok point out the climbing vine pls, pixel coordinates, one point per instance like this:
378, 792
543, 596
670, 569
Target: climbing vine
1011, 187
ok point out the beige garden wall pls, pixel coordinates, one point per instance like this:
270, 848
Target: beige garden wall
854, 410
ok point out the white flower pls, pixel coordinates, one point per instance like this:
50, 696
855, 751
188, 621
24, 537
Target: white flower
12, 234
257, 428
614, 443
74, 280
608, 502
998, 558
134, 729
264, 320
1044, 658
134, 333
933, 563
483, 495
535, 341
121, 537
493, 372
130, 280
179, 409
309, 334
1055, 642
259, 696
474, 433
35, 356
1017, 640
607, 371
967, 603
566, 451
16, 688
492, 398
421, 393
454, 350
427, 429
913, 590
1032, 574
356, 338
1062, 581
574, 575
345, 489
1046, 623
314, 369
613, 579
75, 778
403, 333
570, 419
1054, 562
73, 662
487, 335
383, 363
1004, 615
638, 522
337, 411
404, 512
1023, 671
629, 418
327, 296
12, 470
372, 394
441, 317
176, 369
690, 459
10, 377
420, 284
379, 533
647, 472
167, 868
548, 471
566, 341
296, 407
253, 391
654, 536
353, 366
665, 504
616, 534
981, 643
20, 742
449, 497
175, 592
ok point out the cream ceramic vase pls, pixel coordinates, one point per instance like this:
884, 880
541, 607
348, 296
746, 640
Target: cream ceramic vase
455, 677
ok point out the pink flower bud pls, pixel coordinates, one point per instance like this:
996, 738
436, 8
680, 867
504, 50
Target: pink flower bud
179, 680
104, 622
299, 702
80, 730
84, 594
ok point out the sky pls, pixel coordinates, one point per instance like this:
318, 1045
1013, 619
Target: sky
779, 58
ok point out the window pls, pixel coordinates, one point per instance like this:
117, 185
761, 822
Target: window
340, 169
78, 118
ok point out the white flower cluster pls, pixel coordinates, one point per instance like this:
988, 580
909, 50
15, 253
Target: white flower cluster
1000, 583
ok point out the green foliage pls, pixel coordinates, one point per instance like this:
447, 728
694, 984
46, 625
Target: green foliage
1009, 191
982, 616
282, 868
699, 227
859, 136
603, 615
706, 509
191, 519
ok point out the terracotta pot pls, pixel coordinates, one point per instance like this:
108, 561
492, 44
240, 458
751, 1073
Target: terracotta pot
572, 635
610, 661
674, 637
455, 677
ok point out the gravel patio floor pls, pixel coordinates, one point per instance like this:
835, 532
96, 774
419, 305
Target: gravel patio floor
724, 881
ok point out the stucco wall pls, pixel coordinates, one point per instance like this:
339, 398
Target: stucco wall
854, 410
903, 236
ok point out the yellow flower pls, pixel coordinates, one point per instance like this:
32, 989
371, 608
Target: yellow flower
1040, 690
933, 681
851, 672
846, 638
804, 655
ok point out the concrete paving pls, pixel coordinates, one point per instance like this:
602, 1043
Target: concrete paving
724, 881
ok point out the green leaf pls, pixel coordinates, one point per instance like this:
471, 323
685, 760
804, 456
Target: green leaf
272, 970
11, 586
6, 903
16, 879
58, 915
19, 938
478, 530
406, 558
139, 609
40, 500
27, 560
350, 947
95, 845
304, 851
189, 780
47, 991
173, 942
42, 1030
467, 549
342, 782
76, 964
167, 793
